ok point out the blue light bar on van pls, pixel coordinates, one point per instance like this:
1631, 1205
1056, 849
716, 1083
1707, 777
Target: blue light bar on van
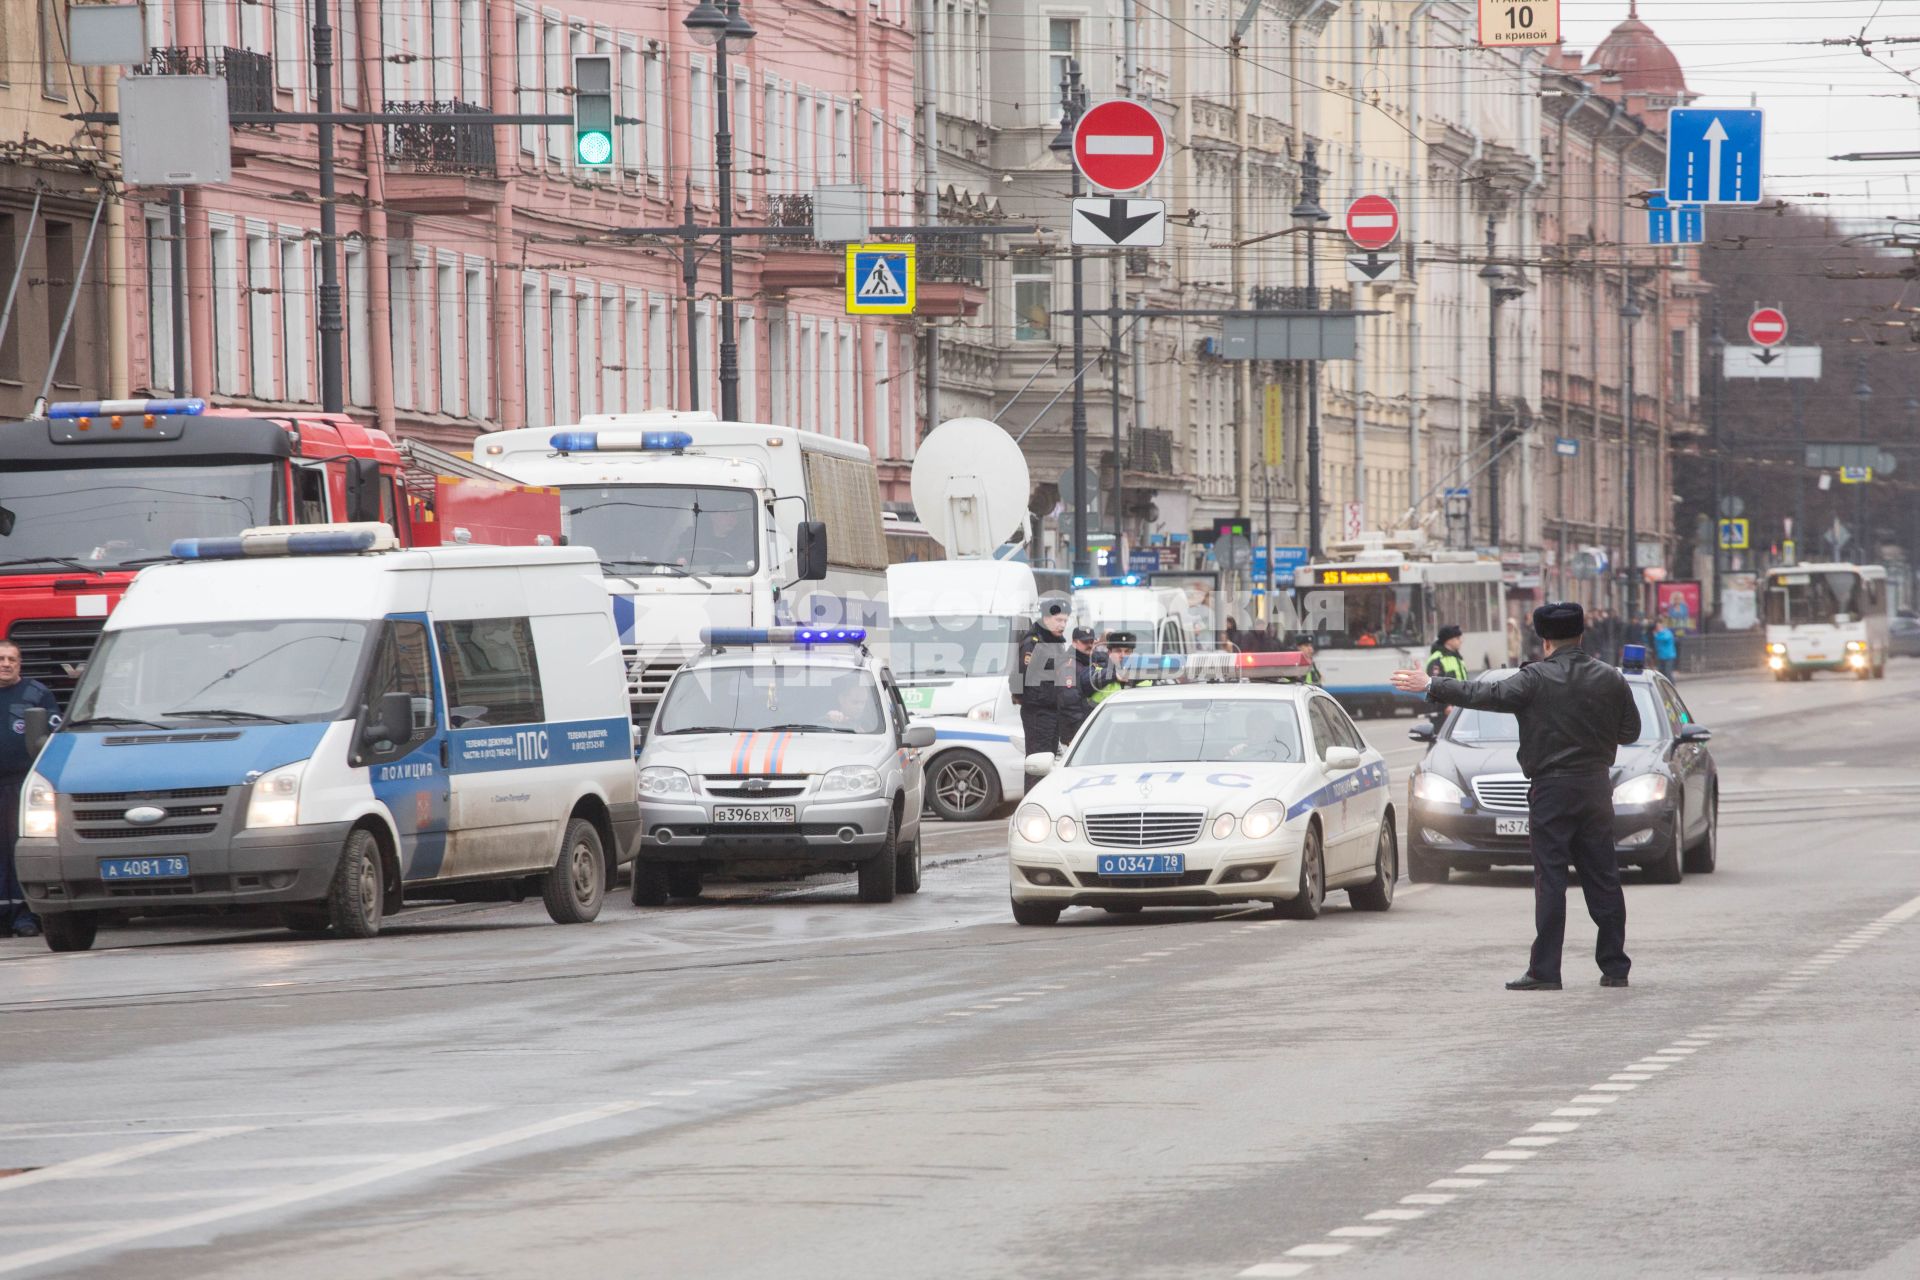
107, 408
291, 541
620, 441
718, 637
1124, 580
1633, 658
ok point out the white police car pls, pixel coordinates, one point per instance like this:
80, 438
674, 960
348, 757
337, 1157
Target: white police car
1199, 794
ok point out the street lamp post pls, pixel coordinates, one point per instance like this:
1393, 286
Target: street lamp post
1499, 293
1630, 312
1308, 216
1863, 395
1072, 103
1716, 349
724, 31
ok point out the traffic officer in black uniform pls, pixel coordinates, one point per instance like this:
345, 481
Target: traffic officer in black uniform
1445, 660
1076, 703
17, 697
1045, 666
1575, 711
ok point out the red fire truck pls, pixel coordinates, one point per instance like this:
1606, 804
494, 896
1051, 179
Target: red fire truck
96, 489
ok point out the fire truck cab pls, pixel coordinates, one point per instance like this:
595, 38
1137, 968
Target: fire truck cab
97, 489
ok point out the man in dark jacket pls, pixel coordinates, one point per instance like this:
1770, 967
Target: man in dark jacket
1575, 712
17, 697
1043, 679
1076, 702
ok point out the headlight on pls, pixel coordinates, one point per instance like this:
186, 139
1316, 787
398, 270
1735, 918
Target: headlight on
38, 815
1858, 661
1648, 788
1263, 820
275, 801
1776, 648
1776, 663
850, 780
1856, 646
1434, 789
985, 710
1066, 828
659, 781
1032, 823
1223, 826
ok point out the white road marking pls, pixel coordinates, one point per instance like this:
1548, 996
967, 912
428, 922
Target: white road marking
1458, 1182
1318, 1250
1484, 1168
1396, 1215
1360, 1233
1547, 1126
1615, 1088
1648, 1064
673, 1093
130, 1232
87, 1165
1504, 1154
1630, 1075
1532, 1140
1278, 1270
1427, 1197
1596, 1097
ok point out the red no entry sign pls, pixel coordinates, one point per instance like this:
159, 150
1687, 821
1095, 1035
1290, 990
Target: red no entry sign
1767, 327
1372, 222
1119, 145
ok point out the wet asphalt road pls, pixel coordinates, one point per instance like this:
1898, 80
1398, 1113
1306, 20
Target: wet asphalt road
782, 1082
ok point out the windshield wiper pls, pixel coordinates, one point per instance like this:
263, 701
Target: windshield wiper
65, 562
705, 728
613, 566
84, 721
222, 713
808, 728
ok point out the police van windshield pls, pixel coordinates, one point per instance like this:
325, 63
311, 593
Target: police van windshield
668, 529
224, 671
784, 696
1190, 730
1497, 728
105, 516
952, 647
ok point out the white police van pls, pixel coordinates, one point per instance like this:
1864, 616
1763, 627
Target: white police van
310, 720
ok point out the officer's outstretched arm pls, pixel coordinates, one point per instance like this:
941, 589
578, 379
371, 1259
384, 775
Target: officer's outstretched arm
1516, 693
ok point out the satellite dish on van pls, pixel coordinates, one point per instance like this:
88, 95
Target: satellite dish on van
970, 487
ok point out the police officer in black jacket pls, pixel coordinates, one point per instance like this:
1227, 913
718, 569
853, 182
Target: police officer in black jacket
1076, 701
1575, 711
1043, 680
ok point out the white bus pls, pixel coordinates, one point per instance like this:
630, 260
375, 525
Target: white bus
1826, 617
1374, 605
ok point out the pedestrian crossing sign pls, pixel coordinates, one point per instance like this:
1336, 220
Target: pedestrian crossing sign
1733, 535
880, 279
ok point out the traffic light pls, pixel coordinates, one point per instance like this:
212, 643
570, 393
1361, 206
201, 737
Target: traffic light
1232, 527
593, 110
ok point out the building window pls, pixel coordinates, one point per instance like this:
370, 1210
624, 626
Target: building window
700, 123
1063, 44
61, 267
803, 138
1032, 300
778, 408
296, 326
587, 343
402, 328
447, 299
348, 17
883, 403
558, 103
659, 368
527, 73
636, 344
479, 402
656, 116
358, 310
846, 352
260, 295
629, 157
809, 375
741, 105
610, 354
9, 258
1678, 355
560, 317
226, 311
533, 362
53, 44
749, 368
829, 379
842, 144
770, 130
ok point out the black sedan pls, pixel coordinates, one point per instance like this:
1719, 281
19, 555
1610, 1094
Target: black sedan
1467, 805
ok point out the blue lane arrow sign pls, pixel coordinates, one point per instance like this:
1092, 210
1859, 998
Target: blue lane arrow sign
1674, 224
1713, 155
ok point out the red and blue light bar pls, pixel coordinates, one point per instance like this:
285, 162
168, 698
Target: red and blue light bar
720, 637
191, 406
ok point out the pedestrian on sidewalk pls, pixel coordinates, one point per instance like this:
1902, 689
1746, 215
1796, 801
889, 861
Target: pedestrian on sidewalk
1575, 712
1666, 648
18, 695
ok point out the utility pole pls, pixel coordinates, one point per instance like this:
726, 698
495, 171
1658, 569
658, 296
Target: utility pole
333, 396
1799, 472
1493, 275
724, 32
1631, 312
690, 281
1863, 394
1307, 217
1071, 105
1716, 351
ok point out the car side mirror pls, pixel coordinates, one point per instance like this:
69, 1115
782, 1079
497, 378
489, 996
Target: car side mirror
1342, 758
363, 489
6, 522
1039, 764
810, 550
37, 728
1695, 733
918, 736
391, 722
1421, 732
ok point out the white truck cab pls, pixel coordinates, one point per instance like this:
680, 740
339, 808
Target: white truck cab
310, 720
700, 523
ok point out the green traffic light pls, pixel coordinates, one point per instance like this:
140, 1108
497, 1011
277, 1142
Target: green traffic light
593, 148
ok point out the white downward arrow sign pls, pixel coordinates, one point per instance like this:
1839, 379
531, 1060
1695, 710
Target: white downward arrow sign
1716, 135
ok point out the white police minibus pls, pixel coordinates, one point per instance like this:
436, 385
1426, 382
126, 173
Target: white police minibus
311, 720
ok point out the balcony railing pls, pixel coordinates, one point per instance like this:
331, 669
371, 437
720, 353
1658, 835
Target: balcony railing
953, 259
791, 211
1150, 452
249, 74
1287, 297
439, 143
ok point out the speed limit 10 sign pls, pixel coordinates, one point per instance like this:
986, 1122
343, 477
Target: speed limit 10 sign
1511, 22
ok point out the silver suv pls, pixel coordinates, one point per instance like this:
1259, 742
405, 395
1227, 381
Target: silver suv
787, 748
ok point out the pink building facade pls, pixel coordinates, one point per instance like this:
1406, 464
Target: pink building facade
484, 285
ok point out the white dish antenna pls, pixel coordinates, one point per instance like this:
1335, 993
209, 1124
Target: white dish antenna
970, 487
